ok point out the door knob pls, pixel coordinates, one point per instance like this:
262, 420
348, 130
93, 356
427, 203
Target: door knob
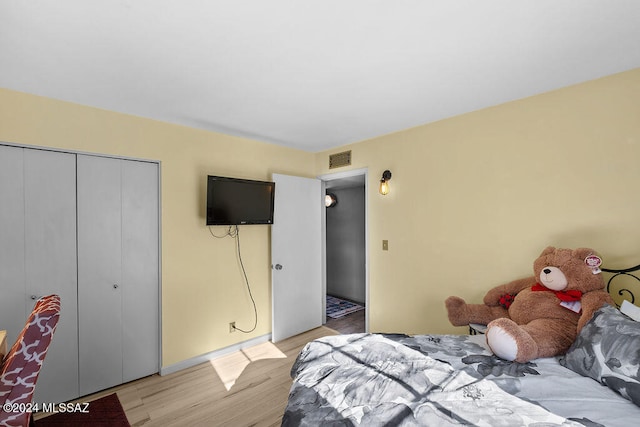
278, 267
115, 286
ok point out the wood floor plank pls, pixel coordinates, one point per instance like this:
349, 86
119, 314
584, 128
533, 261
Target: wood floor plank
197, 396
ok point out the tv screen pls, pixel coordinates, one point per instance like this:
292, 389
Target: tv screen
232, 201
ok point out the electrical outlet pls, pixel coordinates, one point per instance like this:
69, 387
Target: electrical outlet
232, 327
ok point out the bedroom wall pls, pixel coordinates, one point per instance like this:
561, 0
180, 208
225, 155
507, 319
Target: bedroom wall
345, 243
202, 284
473, 201
475, 198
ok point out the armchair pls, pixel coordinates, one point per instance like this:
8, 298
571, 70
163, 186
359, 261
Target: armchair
20, 368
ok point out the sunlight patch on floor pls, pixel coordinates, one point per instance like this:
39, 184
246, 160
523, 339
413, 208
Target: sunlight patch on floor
230, 367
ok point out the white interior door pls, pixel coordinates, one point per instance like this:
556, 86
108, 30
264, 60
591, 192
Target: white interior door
296, 256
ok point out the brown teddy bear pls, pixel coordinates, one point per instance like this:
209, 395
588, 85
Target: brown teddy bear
539, 316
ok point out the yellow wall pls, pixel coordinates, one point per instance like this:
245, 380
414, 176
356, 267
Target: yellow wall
202, 284
475, 198
473, 201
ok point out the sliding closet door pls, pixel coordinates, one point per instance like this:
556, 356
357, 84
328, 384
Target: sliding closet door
50, 263
99, 273
140, 269
118, 271
86, 228
13, 302
38, 256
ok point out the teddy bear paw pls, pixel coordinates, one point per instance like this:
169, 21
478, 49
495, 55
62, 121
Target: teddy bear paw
502, 344
510, 342
457, 311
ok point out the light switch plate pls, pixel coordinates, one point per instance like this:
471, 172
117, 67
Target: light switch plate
385, 245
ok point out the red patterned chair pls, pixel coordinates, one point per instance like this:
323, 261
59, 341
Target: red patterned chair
20, 368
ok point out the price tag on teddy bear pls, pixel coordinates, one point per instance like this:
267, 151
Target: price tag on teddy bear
574, 306
594, 262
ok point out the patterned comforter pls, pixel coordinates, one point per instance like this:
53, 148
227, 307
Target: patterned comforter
440, 380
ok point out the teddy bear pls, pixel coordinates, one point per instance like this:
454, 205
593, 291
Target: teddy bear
538, 316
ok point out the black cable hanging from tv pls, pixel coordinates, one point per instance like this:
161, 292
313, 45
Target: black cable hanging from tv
246, 280
234, 232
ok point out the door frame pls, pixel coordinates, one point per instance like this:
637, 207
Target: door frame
330, 177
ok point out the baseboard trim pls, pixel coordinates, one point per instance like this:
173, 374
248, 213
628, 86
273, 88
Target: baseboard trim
188, 363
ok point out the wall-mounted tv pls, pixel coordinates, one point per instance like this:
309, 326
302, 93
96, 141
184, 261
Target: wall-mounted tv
232, 201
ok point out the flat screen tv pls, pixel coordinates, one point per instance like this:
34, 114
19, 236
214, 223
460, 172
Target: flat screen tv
232, 201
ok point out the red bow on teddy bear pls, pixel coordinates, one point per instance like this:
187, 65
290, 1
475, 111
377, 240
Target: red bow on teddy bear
570, 295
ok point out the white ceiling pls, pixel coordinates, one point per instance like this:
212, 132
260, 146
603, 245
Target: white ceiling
310, 74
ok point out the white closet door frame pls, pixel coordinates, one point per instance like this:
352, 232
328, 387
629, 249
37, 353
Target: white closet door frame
28, 304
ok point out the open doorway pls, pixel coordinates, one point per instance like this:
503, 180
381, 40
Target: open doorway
345, 255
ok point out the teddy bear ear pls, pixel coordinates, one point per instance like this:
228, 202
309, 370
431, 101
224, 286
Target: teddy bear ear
582, 253
548, 250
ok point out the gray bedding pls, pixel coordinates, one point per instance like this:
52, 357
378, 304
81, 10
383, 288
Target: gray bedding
441, 380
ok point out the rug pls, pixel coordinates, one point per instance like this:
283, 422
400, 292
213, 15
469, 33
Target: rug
104, 412
337, 308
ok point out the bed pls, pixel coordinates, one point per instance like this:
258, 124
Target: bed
442, 380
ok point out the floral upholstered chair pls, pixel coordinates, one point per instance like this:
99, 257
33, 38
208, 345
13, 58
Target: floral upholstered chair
20, 368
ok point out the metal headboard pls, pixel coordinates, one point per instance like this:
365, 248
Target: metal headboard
624, 290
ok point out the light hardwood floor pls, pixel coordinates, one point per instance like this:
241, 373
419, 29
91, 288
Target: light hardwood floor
199, 396
350, 324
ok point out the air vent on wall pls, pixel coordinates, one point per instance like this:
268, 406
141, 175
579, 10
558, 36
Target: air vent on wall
339, 160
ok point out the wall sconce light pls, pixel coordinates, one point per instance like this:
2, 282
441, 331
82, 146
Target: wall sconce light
384, 182
330, 200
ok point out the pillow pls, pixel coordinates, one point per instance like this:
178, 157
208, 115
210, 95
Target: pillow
608, 350
633, 311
